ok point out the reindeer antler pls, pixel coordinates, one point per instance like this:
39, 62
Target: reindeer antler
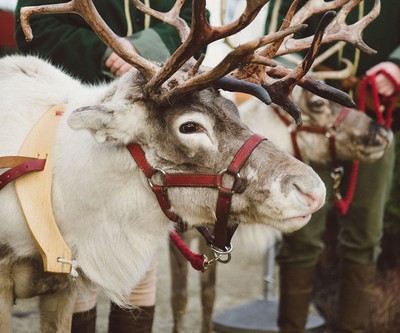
251, 62
337, 30
88, 11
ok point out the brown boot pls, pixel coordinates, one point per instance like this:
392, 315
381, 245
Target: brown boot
138, 320
84, 322
296, 286
354, 298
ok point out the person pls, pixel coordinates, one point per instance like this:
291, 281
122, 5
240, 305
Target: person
362, 227
7, 42
68, 41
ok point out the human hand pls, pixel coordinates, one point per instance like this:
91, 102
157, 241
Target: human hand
384, 85
116, 64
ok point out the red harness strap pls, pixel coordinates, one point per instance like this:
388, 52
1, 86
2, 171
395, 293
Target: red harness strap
328, 131
220, 240
29, 164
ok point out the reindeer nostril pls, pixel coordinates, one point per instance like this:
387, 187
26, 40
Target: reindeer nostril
313, 196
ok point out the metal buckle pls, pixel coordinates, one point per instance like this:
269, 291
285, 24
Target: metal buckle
337, 175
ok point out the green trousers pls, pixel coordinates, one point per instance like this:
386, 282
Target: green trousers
360, 229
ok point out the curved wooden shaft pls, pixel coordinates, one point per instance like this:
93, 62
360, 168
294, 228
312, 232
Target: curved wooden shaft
34, 194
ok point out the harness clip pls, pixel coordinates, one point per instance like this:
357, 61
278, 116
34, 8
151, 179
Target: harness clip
337, 175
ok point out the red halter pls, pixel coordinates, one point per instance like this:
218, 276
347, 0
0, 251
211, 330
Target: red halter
329, 132
342, 204
219, 240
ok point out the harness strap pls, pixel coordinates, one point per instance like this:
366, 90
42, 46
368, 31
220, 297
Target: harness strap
16, 170
220, 240
330, 134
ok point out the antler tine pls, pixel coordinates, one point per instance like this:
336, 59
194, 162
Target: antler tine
271, 50
316, 87
88, 11
171, 17
314, 7
281, 90
240, 56
352, 33
202, 34
335, 75
338, 29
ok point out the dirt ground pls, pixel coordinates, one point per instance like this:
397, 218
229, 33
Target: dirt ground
238, 282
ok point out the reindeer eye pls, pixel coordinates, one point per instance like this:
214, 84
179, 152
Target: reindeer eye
190, 127
317, 103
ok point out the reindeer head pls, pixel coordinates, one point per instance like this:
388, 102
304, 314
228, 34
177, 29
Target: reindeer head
357, 136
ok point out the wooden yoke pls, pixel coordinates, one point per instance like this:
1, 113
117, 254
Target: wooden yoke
34, 194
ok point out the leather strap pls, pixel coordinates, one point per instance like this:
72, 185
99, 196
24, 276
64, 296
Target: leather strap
222, 233
29, 164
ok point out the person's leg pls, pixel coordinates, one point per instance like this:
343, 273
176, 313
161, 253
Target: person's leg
297, 258
296, 286
84, 317
139, 318
359, 244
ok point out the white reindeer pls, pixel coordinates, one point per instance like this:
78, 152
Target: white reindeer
102, 202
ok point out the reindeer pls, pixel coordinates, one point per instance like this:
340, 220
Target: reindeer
133, 158
357, 138
353, 135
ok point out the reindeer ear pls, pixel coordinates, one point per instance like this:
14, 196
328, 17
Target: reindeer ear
100, 120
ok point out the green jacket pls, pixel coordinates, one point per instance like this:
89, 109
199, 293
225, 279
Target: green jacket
383, 34
68, 41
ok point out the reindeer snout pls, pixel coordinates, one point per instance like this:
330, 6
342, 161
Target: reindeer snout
311, 192
378, 135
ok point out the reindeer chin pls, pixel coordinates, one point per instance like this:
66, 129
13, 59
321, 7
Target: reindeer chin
292, 224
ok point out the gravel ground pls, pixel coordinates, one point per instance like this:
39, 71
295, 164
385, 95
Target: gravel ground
238, 282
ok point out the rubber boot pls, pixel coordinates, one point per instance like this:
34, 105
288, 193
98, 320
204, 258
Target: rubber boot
354, 298
296, 286
138, 320
84, 322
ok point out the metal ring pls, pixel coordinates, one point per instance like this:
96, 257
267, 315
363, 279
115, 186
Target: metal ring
156, 169
219, 254
236, 177
330, 131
